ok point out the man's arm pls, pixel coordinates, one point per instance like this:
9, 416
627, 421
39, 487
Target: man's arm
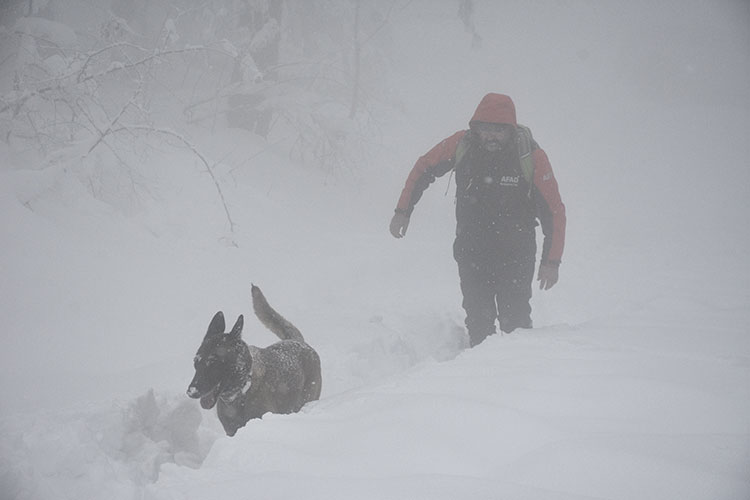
551, 212
551, 209
435, 163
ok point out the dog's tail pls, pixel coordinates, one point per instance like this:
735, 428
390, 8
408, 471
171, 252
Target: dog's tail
273, 320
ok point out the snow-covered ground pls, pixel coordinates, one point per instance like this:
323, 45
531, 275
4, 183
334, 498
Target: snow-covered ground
635, 382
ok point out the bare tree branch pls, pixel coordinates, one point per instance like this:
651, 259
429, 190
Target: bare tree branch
112, 123
58, 83
195, 151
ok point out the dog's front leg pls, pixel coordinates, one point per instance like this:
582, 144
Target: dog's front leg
231, 417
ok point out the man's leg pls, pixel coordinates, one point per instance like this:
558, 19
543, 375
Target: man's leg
514, 310
515, 276
478, 302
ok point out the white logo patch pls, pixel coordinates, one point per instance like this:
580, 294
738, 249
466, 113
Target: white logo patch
509, 180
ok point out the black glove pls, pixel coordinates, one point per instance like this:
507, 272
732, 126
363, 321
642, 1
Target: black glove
399, 223
548, 275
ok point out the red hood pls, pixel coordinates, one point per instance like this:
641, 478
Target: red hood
495, 108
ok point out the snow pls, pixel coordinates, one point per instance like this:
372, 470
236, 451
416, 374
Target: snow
634, 383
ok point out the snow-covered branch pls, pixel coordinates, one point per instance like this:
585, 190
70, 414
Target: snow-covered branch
193, 149
79, 77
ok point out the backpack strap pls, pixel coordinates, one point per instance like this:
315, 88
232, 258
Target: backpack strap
526, 146
524, 140
461, 149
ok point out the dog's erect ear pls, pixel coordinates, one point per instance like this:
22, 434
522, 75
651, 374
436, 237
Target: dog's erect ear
237, 328
217, 324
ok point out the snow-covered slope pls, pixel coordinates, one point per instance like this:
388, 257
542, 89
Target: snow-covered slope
635, 382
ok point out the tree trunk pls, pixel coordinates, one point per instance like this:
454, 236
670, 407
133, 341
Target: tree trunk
244, 109
357, 56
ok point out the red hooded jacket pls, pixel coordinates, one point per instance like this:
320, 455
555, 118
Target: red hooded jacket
494, 108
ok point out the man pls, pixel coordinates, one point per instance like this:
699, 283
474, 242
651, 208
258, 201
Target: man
504, 183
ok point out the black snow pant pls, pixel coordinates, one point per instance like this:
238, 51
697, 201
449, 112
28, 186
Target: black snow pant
496, 270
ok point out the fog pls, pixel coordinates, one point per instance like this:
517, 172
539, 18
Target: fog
144, 185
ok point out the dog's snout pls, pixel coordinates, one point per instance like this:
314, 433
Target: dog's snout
193, 392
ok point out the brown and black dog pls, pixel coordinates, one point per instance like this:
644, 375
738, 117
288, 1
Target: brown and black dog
247, 381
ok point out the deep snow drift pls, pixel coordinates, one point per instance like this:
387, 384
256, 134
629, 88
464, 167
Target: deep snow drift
635, 382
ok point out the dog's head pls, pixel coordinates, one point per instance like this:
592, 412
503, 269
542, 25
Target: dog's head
221, 363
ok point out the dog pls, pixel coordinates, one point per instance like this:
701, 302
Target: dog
246, 381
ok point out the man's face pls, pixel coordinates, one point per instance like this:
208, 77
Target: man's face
493, 137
